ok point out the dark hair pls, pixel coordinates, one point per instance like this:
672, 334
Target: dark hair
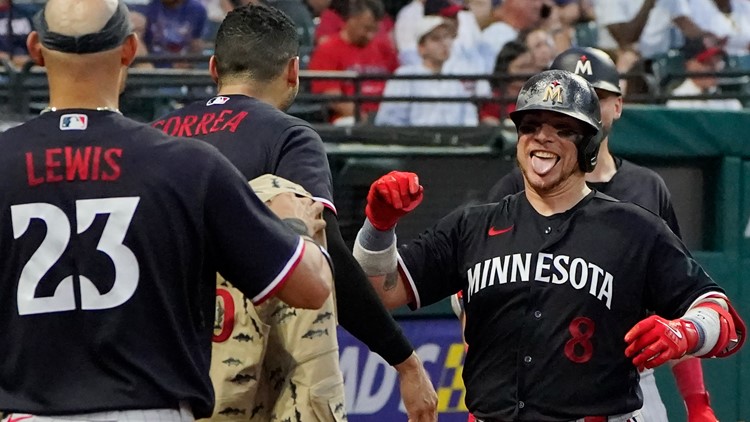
255, 41
510, 51
357, 7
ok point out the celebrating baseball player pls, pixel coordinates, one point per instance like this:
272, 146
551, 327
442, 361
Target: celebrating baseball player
111, 234
558, 280
626, 181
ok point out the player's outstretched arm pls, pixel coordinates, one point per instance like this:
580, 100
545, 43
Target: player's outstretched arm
364, 316
710, 328
390, 197
309, 284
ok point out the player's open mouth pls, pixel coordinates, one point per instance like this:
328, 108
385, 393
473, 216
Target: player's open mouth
543, 161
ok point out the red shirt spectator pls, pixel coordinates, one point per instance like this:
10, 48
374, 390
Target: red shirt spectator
355, 48
333, 19
332, 22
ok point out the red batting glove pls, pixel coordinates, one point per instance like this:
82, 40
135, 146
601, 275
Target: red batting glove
391, 197
656, 340
699, 408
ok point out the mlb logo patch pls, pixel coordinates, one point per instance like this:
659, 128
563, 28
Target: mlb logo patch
74, 122
217, 100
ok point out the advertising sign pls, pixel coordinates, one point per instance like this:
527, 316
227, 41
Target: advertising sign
372, 391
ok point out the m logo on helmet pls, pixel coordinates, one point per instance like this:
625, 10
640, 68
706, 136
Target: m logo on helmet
554, 93
583, 66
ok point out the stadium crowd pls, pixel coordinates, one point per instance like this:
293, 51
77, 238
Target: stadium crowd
494, 44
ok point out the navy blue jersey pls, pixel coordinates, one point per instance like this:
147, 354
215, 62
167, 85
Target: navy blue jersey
632, 183
258, 139
111, 234
549, 299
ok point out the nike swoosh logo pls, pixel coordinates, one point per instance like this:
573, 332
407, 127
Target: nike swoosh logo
19, 418
494, 232
676, 333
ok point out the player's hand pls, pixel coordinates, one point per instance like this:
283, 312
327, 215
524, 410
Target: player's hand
417, 392
656, 340
699, 408
391, 197
289, 205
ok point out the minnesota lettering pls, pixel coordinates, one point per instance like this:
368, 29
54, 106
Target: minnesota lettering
73, 163
547, 268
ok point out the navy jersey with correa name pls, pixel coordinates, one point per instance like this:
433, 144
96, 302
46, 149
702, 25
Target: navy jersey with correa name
111, 234
631, 183
258, 139
549, 299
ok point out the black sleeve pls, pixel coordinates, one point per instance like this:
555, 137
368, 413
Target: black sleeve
433, 263
510, 183
360, 310
677, 279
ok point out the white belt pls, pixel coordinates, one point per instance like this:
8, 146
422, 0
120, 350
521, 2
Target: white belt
183, 414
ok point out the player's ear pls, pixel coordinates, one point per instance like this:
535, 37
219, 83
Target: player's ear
618, 107
292, 71
129, 49
212, 69
34, 48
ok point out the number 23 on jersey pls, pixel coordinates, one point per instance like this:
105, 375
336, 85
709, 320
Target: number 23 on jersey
120, 213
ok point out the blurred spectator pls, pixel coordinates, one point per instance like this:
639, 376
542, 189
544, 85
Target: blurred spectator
572, 12
175, 27
510, 17
13, 34
333, 20
405, 32
541, 45
216, 10
641, 31
482, 10
514, 59
699, 58
728, 19
644, 25
435, 38
466, 52
354, 48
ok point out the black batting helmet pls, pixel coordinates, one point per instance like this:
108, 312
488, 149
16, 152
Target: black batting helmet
593, 64
564, 92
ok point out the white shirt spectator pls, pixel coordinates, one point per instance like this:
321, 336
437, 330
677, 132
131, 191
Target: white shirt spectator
494, 37
688, 87
466, 54
426, 113
405, 32
735, 26
656, 37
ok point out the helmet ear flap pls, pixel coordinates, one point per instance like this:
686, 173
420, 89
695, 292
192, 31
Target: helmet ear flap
588, 151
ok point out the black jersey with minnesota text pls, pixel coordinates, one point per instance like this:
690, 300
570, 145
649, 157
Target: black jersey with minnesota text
258, 139
111, 234
549, 299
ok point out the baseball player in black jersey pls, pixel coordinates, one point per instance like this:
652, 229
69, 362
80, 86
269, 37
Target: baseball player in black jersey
111, 234
625, 181
557, 280
256, 68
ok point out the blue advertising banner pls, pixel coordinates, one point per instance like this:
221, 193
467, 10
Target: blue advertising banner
372, 392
